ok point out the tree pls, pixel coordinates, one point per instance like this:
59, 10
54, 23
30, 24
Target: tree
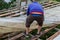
58, 0
4, 5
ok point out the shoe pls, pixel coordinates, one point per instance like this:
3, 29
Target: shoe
27, 35
38, 35
34, 38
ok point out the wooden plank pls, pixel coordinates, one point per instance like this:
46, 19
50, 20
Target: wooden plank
11, 13
15, 15
7, 10
17, 36
45, 31
53, 36
7, 14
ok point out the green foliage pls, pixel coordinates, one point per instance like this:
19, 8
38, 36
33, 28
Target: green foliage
58, 0
47, 35
13, 1
4, 5
34, 32
58, 27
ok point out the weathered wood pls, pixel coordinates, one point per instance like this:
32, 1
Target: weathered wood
8, 12
1, 35
17, 36
45, 31
9, 35
16, 15
53, 36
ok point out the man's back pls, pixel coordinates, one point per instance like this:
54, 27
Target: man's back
35, 7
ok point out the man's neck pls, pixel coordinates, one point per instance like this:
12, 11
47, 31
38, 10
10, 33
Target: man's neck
35, 2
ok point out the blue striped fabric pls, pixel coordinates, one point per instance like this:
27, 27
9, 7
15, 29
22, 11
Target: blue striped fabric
35, 7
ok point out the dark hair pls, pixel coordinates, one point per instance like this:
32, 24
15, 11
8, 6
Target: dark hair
33, 0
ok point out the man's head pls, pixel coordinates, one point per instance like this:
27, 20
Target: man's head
33, 0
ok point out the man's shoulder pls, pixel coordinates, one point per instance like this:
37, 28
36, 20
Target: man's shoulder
30, 4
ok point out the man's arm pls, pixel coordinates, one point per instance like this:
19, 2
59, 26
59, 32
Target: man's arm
27, 11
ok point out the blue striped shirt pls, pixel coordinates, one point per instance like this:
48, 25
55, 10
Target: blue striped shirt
35, 7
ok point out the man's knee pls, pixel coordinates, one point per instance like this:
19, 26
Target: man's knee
27, 25
40, 24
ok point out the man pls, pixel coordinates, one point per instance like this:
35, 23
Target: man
34, 12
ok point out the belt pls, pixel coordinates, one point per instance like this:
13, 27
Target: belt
36, 13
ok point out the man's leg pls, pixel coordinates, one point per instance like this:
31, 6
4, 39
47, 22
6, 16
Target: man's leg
40, 23
39, 29
29, 20
27, 30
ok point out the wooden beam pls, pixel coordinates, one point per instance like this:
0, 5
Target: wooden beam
45, 31
53, 36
